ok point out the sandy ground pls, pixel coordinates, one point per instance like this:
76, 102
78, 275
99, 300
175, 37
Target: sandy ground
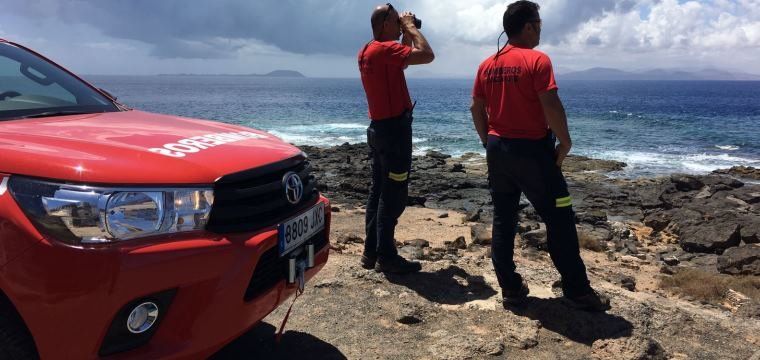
451, 310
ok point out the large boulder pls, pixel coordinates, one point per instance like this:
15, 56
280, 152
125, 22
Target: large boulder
746, 172
658, 221
437, 155
578, 164
710, 236
673, 219
718, 183
749, 197
750, 229
686, 182
742, 260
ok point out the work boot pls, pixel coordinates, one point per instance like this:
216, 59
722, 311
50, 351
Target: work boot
515, 297
368, 261
396, 264
593, 301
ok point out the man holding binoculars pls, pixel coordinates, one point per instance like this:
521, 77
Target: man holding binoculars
381, 63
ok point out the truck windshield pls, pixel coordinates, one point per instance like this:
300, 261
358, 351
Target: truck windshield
31, 87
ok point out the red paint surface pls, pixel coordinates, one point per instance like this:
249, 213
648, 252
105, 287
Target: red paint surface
68, 296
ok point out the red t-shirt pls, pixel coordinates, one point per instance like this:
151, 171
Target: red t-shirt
510, 86
382, 69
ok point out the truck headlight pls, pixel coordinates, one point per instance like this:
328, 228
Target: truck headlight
79, 214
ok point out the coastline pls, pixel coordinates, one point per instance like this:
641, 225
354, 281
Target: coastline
702, 215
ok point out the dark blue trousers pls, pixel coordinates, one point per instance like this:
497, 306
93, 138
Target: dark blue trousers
518, 166
390, 146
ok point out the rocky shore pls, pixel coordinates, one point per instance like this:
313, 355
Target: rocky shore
711, 222
678, 255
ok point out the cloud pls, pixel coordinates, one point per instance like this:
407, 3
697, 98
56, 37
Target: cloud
319, 35
195, 29
689, 27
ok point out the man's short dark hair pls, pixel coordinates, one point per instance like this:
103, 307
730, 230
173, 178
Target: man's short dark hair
517, 15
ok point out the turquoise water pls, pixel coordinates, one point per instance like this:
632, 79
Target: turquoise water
655, 127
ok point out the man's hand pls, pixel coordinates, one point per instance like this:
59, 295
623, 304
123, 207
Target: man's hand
407, 21
557, 121
421, 51
560, 153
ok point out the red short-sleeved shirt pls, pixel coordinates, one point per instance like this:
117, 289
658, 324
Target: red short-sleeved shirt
510, 86
381, 66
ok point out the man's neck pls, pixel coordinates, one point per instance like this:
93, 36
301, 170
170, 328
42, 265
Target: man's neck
384, 39
520, 43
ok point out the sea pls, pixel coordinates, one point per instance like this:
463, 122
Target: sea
656, 127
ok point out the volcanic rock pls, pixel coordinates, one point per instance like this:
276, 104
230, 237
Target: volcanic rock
709, 237
742, 260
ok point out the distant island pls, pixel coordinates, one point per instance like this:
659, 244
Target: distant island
276, 73
656, 74
283, 73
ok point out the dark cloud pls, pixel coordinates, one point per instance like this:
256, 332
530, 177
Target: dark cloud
218, 28
197, 29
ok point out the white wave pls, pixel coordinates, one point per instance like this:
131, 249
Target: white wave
322, 140
614, 111
721, 158
421, 150
664, 163
699, 168
347, 126
336, 127
727, 147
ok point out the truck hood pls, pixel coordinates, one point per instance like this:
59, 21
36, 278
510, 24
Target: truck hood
134, 147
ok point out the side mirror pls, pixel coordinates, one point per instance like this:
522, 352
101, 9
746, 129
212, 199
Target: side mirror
107, 94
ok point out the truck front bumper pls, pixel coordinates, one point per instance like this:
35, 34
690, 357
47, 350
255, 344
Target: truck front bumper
70, 297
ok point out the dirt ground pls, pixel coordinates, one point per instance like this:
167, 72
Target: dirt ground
451, 309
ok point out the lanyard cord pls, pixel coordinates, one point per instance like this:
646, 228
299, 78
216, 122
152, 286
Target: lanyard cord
498, 48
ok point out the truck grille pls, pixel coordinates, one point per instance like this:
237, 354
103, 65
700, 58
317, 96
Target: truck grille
271, 268
255, 199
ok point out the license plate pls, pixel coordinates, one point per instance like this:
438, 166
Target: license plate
294, 232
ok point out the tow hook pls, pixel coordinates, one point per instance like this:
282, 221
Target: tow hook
297, 266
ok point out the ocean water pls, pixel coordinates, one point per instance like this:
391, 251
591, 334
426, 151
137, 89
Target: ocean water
656, 127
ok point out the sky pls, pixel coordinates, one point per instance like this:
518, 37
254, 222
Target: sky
321, 38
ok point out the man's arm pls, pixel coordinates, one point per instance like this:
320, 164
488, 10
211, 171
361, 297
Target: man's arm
422, 53
480, 118
557, 120
407, 40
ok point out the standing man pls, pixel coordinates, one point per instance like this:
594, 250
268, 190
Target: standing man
381, 63
519, 116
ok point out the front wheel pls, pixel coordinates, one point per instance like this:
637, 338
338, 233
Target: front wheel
16, 342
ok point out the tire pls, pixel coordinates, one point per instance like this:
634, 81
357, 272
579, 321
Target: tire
16, 343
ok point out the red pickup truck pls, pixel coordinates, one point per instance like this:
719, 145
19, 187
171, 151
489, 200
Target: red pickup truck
127, 234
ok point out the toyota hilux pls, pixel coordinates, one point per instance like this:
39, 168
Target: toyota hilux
129, 234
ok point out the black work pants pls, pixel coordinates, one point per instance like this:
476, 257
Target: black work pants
390, 146
518, 166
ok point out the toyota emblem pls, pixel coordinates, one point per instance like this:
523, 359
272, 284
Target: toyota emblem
293, 187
